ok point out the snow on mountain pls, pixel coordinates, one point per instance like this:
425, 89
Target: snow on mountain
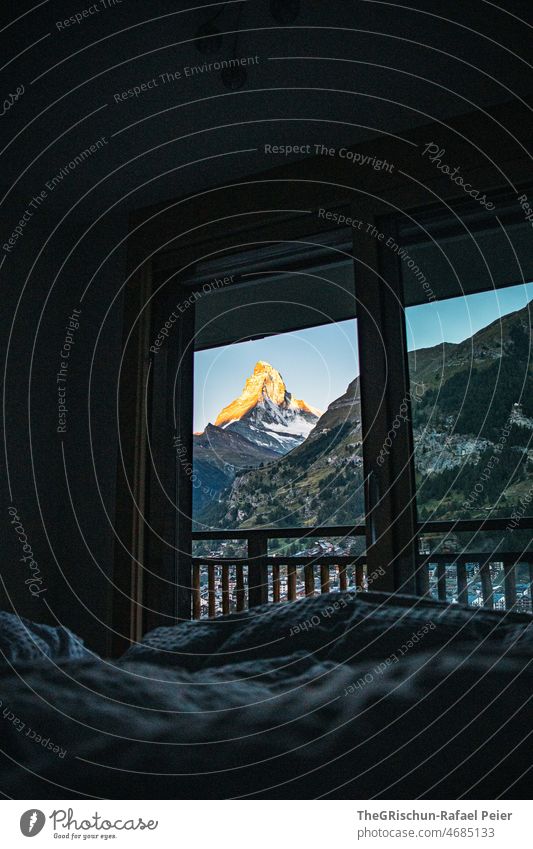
267, 414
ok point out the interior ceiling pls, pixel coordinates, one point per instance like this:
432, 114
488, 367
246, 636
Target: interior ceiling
407, 65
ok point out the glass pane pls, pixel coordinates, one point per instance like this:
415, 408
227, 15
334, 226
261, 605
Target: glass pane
471, 374
449, 255
281, 286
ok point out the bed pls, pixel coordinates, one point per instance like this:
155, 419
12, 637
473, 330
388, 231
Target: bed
338, 696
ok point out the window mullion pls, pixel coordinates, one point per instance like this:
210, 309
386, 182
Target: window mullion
389, 486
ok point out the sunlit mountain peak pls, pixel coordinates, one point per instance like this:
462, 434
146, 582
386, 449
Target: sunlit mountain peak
265, 388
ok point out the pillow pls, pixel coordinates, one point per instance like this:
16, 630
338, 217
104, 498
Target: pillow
23, 640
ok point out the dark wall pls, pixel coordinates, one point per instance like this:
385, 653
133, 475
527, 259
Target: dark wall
62, 484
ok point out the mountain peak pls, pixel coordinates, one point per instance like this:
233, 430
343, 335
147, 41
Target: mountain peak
261, 366
265, 382
265, 388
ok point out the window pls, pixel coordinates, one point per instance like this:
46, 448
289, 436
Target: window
278, 503
471, 376
468, 326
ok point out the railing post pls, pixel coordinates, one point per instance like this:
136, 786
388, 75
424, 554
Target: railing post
462, 582
486, 584
257, 570
509, 583
225, 589
441, 580
275, 583
196, 597
343, 578
211, 591
291, 581
309, 577
239, 587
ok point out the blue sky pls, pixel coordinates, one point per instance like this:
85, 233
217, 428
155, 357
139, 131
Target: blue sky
318, 364
459, 318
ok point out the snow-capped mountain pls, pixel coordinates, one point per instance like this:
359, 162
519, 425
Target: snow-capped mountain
261, 425
267, 414
320, 478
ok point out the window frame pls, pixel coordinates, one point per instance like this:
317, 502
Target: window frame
453, 525
287, 231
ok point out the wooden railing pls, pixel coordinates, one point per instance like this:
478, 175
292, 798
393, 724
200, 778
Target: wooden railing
220, 586
480, 580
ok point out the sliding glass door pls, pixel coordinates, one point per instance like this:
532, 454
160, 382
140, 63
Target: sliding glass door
471, 375
277, 471
468, 295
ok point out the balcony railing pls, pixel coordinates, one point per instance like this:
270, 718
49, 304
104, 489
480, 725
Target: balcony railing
496, 582
222, 585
